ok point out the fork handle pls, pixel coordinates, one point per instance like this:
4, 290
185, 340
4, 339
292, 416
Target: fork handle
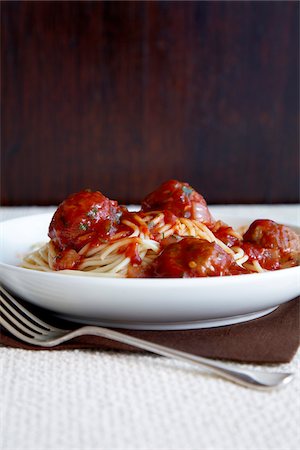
250, 378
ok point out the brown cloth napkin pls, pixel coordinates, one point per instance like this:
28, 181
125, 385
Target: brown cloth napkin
274, 338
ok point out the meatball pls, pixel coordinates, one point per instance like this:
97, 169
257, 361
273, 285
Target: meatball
271, 235
83, 217
193, 257
179, 198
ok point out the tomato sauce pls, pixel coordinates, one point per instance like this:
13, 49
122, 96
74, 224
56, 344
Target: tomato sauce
225, 233
132, 253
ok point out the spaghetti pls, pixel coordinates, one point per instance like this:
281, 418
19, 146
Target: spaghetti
173, 235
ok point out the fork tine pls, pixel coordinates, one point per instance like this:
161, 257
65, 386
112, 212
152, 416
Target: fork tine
5, 315
15, 332
18, 319
17, 306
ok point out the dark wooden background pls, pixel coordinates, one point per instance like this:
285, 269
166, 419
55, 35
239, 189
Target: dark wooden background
120, 96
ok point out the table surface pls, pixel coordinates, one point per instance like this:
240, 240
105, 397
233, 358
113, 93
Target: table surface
89, 399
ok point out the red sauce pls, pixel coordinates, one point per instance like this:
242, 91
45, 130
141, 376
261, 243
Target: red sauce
224, 232
122, 228
179, 198
169, 217
269, 259
132, 253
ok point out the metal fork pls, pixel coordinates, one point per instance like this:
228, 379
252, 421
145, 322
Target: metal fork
25, 326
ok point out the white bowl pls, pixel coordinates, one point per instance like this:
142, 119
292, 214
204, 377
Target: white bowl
139, 303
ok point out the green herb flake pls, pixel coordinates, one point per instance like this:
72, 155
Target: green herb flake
187, 190
83, 226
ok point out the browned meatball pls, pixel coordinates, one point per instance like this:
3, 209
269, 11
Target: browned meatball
193, 257
179, 198
271, 235
81, 218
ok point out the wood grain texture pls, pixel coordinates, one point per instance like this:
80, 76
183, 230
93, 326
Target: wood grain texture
120, 96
